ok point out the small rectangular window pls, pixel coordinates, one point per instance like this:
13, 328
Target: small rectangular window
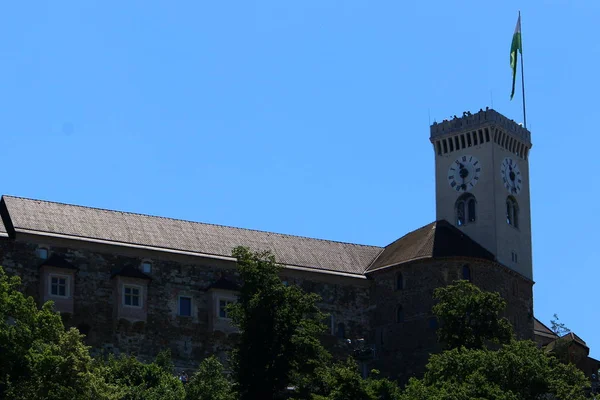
146, 267
451, 143
42, 253
223, 308
438, 147
185, 306
469, 142
132, 296
480, 136
445, 142
58, 286
487, 135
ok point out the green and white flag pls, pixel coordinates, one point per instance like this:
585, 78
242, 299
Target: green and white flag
514, 47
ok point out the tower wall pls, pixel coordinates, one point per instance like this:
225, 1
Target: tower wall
489, 138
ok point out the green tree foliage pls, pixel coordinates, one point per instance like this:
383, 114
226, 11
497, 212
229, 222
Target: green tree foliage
342, 381
134, 380
470, 370
518, 371
279, 330
209, 382
38, 358
559, 328
470, 317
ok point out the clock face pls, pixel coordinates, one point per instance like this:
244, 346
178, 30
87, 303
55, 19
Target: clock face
511, 175
463, 173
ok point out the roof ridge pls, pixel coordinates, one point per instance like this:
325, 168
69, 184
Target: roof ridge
191, 222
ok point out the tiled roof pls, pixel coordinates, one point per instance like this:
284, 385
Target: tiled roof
123, 228
540, 329
438, 239
3, 231
567, 339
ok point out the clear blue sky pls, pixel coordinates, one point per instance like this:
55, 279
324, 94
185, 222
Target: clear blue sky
308, 118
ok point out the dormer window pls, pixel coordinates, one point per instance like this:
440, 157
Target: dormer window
42, 253
59, 285
466, 209
132, 295
223, 303
146, 267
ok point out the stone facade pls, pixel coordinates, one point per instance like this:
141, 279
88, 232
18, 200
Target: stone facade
359, 307
403, 346
96, 305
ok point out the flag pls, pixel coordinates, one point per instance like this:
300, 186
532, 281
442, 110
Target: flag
514, 47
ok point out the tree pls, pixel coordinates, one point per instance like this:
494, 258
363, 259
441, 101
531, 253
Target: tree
279, 330
518, 370
559, 328
38, 358
209, 382
342, 381
135, 380
470, 317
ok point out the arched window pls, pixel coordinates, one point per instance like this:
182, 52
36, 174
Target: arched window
512, 211
466, 209
399, 314
471, 209
399, 281
466, 273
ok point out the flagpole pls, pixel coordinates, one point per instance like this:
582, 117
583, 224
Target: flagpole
522, 74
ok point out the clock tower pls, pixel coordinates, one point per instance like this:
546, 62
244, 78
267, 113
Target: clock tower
482, 183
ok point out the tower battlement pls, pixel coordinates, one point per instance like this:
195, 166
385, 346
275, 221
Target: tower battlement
482, 118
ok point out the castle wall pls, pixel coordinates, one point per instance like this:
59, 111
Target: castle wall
403, 348
98, 311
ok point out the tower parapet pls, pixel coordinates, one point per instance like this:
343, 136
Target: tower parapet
480, 119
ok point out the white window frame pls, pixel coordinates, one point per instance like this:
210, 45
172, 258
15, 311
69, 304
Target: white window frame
218, 305
142, 266
141, 295
67, 279
179, 306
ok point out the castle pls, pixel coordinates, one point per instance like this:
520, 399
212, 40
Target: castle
138, 284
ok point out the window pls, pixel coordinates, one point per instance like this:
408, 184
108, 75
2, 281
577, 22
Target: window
512, 212
59, 285
399, 314
146, 267
399, 282
223, 303
433, 323
42, 253
471, 209
341, 330
514, 257
466, 273
185, 306
132, 296
466, 209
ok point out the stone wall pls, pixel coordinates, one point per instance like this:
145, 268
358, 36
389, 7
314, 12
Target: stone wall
403, 348
97, 298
